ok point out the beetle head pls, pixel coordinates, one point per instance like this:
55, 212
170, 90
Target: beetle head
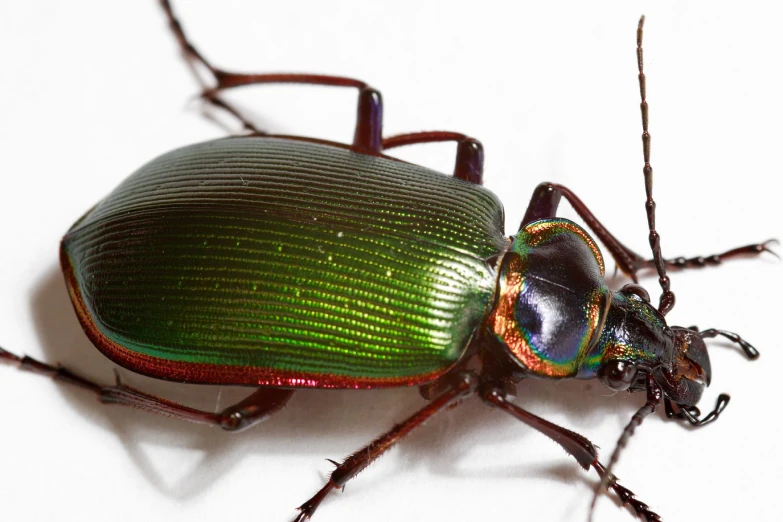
636, 342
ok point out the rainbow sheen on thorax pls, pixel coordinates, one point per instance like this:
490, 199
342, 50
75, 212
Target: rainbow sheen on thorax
552, 299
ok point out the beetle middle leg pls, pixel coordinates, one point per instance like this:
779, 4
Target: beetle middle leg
256, 408
546, 199
465, 384
573, 443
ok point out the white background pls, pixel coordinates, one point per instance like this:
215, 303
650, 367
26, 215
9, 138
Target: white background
91, 90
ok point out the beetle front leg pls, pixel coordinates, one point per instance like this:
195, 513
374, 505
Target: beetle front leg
546, 199
574, 444
254, 409
464, 385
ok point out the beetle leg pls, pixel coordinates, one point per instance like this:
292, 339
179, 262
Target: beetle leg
544, 203
546, 199
716, 259
370, 107
464, 386
469, 164
574, 444
255, 408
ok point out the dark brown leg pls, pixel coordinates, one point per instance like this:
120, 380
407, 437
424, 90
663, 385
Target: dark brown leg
370, 107
464, 385
252, 410
544, 203
716, 259
470, 154
546, 199
574, 444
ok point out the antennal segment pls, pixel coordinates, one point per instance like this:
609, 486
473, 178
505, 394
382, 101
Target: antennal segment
667, 296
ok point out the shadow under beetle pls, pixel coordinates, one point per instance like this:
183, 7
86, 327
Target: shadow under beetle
287, 262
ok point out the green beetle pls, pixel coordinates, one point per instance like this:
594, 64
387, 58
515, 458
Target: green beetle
402, 312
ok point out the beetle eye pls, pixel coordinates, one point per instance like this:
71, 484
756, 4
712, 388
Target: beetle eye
637, 290
617, 375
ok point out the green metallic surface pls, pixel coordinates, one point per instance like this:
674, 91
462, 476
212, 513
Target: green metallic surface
290, 255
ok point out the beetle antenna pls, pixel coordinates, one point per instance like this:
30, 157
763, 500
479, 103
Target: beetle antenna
654, 398
667, 296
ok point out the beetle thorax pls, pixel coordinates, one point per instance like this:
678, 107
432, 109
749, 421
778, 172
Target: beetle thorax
551, 298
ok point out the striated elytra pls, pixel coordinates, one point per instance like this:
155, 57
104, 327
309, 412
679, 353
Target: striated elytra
274, 261
286, 263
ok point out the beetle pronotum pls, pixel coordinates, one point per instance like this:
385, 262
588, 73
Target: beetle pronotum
562, 115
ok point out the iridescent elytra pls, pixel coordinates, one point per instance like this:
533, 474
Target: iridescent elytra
392, 475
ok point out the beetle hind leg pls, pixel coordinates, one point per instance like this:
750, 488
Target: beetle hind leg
370, 107
369, 118
256, 408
